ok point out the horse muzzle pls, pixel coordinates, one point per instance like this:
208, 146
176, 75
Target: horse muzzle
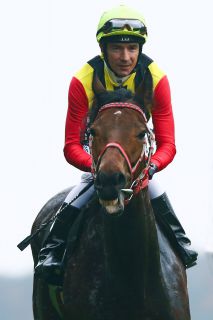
109, 189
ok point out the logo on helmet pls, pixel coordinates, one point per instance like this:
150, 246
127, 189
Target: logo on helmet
125, 39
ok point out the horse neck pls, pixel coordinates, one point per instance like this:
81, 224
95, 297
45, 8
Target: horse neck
131, 245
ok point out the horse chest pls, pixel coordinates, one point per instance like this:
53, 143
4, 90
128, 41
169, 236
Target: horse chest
95, 290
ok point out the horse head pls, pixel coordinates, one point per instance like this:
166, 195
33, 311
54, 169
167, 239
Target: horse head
118, 141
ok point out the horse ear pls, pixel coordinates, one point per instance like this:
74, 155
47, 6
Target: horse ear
144, 91
97, 86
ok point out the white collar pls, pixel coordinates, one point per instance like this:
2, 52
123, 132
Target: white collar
116, 79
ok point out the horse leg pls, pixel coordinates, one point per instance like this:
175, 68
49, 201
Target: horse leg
42, 305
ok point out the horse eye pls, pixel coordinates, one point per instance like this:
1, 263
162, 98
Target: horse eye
141, 135
92, 132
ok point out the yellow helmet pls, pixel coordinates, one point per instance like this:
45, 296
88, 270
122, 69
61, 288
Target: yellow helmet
123, 22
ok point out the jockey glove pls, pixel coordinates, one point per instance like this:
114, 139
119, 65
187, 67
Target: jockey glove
152, 170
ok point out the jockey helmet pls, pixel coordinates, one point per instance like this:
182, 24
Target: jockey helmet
121, 24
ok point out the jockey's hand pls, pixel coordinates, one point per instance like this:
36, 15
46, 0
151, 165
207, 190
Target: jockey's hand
152, 170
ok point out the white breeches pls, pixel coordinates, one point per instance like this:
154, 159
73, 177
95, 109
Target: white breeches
155, 190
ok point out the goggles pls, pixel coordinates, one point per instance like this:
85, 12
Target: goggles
121, 24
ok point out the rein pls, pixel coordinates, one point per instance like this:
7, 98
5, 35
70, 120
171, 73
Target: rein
142, 180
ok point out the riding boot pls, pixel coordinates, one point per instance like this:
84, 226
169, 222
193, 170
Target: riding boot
50, 260
164, 213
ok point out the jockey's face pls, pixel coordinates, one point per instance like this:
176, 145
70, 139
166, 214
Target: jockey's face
122, 57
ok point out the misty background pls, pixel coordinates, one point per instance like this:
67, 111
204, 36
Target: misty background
43, 43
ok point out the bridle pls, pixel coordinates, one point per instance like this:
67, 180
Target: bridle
137, 183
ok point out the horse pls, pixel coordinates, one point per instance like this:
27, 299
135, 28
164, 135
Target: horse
123, 266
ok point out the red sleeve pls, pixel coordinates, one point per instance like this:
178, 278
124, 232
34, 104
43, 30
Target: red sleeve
76, 113
163, 123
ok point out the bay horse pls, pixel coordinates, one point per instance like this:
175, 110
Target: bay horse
123, 266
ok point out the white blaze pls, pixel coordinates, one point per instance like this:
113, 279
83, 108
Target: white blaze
118, 112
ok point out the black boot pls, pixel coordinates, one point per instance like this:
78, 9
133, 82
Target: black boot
50, 260
50, 266
165, 215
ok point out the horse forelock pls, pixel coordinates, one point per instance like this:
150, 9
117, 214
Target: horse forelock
119, 95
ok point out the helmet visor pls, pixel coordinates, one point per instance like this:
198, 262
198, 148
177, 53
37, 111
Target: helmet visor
121, 24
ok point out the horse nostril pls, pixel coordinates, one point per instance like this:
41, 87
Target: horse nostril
116, 180
119, 179
108, 185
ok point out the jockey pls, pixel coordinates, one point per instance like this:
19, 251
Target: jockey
121, 35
